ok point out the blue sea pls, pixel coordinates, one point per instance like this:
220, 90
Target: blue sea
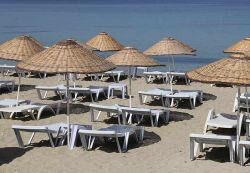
208, 26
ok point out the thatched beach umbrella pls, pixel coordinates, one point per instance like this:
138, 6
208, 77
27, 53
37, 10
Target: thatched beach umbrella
18, 49
131, 57
239, 47
66, 57
170, 47
104, 42
234, 70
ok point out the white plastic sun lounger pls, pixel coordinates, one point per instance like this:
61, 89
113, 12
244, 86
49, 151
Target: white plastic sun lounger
5, 69
9, 84
156, 74
58, 129
97, 90
140, 113
26, 110
154, 93
167, 97
13, 102
243, 101
115, 131
172, 75
198, 140
191, 95
110, 110
60, 90
114, 73
51, 130
41, 96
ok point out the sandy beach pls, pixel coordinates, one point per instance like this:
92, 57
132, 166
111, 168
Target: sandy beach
165, 148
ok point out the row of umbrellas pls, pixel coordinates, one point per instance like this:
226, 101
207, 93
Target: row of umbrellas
70, 57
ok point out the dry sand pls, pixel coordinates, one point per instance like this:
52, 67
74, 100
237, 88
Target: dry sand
165, 148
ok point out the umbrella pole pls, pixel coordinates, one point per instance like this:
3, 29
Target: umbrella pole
130, 96
173, 62
247, 101
169, 68
68, 119
237, 129
18, 89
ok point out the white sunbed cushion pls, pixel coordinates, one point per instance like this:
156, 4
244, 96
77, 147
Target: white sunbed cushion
212, 136
223, 121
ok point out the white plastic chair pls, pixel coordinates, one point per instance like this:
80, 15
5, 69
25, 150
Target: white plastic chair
198, 141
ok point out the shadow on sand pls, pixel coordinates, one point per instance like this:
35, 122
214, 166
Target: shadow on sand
8, 154
110, 146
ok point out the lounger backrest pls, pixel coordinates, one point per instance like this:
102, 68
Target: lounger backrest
140, 111
30, 128
97, 133
103, 108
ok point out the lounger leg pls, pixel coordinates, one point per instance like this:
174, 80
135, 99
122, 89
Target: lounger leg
201, 147
118, 77
119, 118
145, 98
192, 156
125, 142
109, 93
39, 94
97, 96
98, 115
51, 140
231, 150
141, 134
191, 103
167, 115
31, 138
156, 120
241, 154
91, 142
140, 98
58, 108
91, 96
19, 138
118, 144
73, 136
2, 115
151, 120
84, 141
45, 94
12, 115
92, 115
57, 135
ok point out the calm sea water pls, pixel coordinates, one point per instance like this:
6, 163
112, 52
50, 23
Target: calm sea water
208, 26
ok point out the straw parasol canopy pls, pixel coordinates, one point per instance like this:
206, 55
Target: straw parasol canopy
239, 47
20, 48
170, 46
66, 57
130, 56
233, 70
104, 42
